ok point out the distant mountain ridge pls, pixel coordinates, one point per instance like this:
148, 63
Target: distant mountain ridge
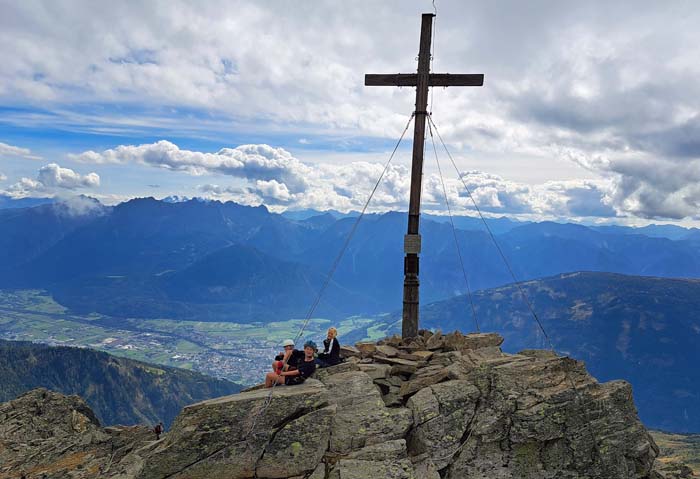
119, 390
147, 258
8, 202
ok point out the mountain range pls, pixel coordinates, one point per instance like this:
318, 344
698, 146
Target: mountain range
208, 260
628, 315
119, 390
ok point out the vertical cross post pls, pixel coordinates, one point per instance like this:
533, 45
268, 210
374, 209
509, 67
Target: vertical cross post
422, 80
409, 328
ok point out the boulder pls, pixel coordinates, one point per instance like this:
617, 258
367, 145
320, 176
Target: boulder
533, 423
388, 459
47, 434
362, 419
442, 414
423, 381
298, 447
397, 362
322, 373
366, 349
229, 436
457, 341
415, 355
394, 340
348, 351
376, 371
436, 341
391, 450
357, 469
403, 370
386, 351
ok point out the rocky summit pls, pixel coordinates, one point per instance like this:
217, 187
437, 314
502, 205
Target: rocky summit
434, 407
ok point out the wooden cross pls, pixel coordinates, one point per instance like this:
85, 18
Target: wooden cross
422, 80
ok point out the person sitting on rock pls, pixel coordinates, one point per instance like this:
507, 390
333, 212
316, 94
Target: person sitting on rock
331, 350
297, 373
287, 358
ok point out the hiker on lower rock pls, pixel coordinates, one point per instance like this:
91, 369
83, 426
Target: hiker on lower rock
158, 430
296, 373
331, 350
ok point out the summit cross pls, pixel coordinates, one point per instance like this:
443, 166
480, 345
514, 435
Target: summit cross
422, 80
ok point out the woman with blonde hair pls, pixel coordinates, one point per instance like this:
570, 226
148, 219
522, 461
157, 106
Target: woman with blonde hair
331, 349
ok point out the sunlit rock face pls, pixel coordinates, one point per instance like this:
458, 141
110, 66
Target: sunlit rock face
438, 406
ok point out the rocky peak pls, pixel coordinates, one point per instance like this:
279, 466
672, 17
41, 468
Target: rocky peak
436, 407
44, 434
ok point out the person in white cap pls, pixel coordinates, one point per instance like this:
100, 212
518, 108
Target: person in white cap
279, 363
300, 366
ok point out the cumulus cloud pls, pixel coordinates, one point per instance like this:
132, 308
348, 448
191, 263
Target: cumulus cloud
272, 176
2, 177
645, 185
51, 179
253, 162
53, 176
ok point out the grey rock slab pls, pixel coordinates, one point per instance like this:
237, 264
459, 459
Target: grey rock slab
456, 341
319, 472
376, 371
358, 469
530, 423
441, 416
366, 349
386, 351
423, 381
415, 355
298, 447
362, 418
389, 450
348, 351
436, 341
322, 373
397, 362
426, 469
225, 437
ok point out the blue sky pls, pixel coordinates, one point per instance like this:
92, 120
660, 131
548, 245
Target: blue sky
589, 112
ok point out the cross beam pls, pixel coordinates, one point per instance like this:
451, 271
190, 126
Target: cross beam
422, 80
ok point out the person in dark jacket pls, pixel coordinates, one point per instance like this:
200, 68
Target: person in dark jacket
158, 430
331, 349
300, 366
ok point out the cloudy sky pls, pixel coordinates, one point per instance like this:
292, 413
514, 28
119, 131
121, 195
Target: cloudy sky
589, 112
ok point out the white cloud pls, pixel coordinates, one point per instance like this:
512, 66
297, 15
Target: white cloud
614, 83
2, 177
51, 179
646, 186
78, 205
253, 162
53, 176
276, 178
16, 151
